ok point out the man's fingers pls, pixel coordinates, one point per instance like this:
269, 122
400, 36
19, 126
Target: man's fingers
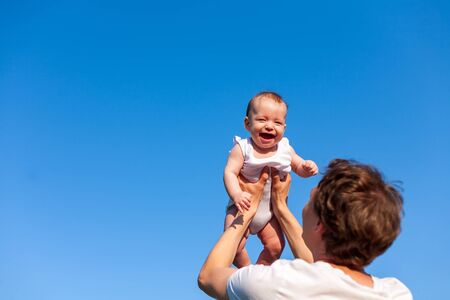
264, 174
275, 174
242, 179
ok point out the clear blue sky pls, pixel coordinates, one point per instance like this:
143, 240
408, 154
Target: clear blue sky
116, 119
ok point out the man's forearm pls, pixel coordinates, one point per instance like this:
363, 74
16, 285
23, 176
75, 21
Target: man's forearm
215, 272
224, 251
293, 231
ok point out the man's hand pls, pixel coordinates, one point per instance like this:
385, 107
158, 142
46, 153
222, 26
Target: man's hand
255, 189
280, 188
291, 228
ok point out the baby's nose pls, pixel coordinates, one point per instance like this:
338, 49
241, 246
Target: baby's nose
269, 126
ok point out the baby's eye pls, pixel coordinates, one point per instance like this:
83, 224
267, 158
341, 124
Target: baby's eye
279, 123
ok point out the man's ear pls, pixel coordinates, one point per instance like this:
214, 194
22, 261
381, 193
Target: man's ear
247, 123
319, 227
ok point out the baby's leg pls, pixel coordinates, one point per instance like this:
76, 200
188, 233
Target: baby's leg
241, 259
272, 239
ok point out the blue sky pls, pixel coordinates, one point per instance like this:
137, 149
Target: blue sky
116, 119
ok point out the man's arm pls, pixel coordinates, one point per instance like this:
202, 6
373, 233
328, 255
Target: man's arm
291, 227
216, 270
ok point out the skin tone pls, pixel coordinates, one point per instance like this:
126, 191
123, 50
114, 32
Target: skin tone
306, 243
266, 124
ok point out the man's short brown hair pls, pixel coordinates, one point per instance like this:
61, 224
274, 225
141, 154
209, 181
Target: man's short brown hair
264, 95
361, 213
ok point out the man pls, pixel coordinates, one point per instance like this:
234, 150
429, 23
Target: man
352, 217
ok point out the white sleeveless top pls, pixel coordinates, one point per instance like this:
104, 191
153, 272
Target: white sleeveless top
251, 170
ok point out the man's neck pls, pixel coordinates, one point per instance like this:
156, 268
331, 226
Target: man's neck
360, 276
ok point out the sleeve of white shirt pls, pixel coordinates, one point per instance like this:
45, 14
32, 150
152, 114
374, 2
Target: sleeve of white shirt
251, 282
397, 290
284, 278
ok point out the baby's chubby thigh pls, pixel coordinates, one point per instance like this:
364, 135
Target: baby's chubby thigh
272, 238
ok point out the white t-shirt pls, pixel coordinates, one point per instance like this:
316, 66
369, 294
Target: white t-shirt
297, 279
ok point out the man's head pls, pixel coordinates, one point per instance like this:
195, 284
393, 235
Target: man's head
359, 211
266, 120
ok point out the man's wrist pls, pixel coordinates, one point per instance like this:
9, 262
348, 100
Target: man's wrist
280, 208
242, 220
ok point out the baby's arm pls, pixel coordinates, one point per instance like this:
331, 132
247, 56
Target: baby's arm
303, 168
234, 164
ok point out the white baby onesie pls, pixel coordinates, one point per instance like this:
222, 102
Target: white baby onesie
251, 170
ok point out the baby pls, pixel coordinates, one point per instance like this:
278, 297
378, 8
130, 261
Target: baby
266, 122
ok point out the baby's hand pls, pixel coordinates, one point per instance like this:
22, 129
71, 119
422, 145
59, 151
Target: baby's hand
242, 201
310, 168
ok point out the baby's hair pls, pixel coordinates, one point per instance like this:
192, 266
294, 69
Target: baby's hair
265, 95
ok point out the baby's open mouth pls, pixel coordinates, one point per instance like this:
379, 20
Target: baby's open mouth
266, 135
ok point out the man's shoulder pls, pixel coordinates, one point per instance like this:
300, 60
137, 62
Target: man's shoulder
279, 270
265, 282
250, 280
394, 287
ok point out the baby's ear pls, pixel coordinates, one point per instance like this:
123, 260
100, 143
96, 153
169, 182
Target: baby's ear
247, 123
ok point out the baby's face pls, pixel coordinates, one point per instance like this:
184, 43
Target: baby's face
266, 123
